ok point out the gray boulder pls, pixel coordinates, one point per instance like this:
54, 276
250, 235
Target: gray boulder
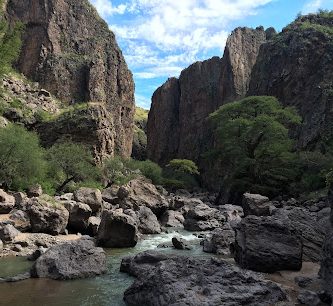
93, 225
309, 298
326, 268
35, 191
71, 260
233, 213
79, 215
7, 202
180, 244
47, 216
256, 204
1, 245
8, 233
178, 280
267, 244
172, 218
117, 230
90, 196
148, 223
20, 220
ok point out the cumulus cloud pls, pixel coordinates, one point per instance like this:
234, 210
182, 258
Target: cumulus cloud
106, 8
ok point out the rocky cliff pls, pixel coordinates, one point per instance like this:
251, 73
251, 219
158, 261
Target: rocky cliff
177, 123
69, 50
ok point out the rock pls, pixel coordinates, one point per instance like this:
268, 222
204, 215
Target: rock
1, 245
3, 122
309, 298
141, 192
37, 253
180, 244
220, 241
203, 218
267, 244
35, 191
8, 233
233, 213
256, 204
17, 248
21, 220
148, 223
303, 282
7, 202
117, 230
177, 280
326, 267
47, 216
185, 203
93, 225
20, 200
90, 196
109, 195
172, 218
98, 71
79, 215
71, 260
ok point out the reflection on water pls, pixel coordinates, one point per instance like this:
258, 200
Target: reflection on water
100, 291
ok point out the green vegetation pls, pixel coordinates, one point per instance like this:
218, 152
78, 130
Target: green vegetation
21, 158
254, 151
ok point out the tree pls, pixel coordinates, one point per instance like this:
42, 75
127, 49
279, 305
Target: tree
184, 166
21, 158
70, 162
253, 149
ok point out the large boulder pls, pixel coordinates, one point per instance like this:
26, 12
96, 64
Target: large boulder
47, 215
267, 244
79, 215
326, 268
256, 204
93, 225
35, 191
148, 223
233, 213
7, 202
141, 192
117, 230
177, 280
90, 196
20, 220
8, 233
180, 244
203, 218
71, 260
172, 218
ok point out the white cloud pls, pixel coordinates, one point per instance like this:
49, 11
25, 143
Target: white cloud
312, 6
142, 101
105, 8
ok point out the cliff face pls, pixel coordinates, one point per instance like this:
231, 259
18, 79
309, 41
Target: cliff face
297, 68
70, 51
177, 122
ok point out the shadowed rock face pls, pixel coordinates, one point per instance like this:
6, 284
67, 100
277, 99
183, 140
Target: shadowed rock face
70, 51
177, 123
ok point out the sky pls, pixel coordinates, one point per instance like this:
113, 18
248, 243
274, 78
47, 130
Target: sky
159, 38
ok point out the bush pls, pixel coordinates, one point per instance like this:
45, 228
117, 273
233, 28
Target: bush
22, 161
147, 168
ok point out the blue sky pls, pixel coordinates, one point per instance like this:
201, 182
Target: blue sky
159, 38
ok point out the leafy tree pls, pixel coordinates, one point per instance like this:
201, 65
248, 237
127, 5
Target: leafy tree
147, 168
21, 158
253, 150
184, 166
70, 162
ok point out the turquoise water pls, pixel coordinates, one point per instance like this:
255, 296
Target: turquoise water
105, 290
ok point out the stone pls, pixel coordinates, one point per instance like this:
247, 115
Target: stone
148, 223
141, 192
233, 213
7, 202
20, 200
21, 220
90, 196
326, 267
35, 191
256, 204
79, 215
8, 233
47, 216
303, 282
267, 244
178, 280
71, 260
117, 230
180, 244
109, 195
172, 218
98, 72
220, 241
1, 245
308, 298
93, 225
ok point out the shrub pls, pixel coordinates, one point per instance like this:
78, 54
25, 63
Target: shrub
21, 158
147, 168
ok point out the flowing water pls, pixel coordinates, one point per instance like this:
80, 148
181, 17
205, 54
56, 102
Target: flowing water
106, 290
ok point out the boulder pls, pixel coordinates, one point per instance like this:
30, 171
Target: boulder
90, 196
21, 220
256, 204
117, 230
184, 203
203, 218
71, 260
109, 195
20, 200
309, 298
233, 213
93, 225
326, 268
148, 223
35, 191
267, 244
220, 241
141, 192
79, 215
1, 245
172, 218
178, 280
47, 216
7, 202
8, 233
180, 244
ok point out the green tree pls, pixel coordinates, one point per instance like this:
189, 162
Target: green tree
253, 149
21, 158
184, 166
70, 162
